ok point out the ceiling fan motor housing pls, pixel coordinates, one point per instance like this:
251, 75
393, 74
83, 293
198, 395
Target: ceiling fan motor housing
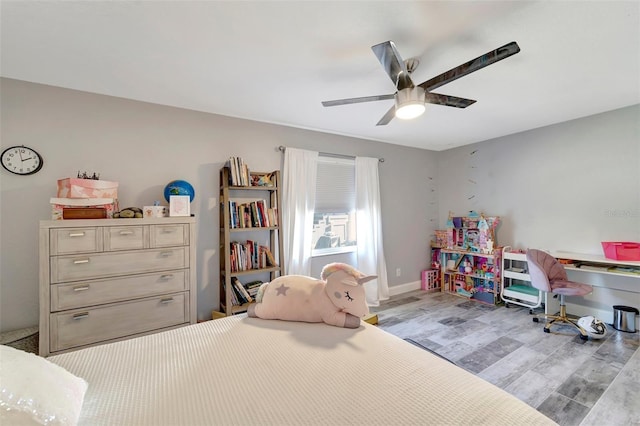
410, 102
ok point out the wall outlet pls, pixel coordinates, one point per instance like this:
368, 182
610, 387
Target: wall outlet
398, 272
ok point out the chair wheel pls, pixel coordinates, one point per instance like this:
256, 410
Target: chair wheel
536, 319
506, 305
546, 330
582, 337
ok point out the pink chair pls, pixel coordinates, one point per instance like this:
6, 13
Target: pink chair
548, 275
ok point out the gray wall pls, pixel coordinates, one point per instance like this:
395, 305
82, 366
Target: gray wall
563, 187
144, 146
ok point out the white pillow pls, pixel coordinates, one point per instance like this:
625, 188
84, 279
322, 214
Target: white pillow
34, 391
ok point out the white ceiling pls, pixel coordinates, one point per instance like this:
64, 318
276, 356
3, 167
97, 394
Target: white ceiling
276, 61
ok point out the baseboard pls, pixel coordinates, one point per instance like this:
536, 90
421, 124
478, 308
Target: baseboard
404, 288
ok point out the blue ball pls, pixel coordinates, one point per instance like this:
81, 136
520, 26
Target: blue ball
179, 187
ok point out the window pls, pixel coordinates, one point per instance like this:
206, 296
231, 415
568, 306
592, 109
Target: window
334, 220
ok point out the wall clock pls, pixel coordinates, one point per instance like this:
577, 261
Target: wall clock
21, 160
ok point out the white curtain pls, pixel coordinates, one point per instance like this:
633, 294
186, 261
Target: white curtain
298, 203
369, 230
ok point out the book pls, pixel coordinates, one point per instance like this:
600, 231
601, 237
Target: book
253, 287
271, 260
243, 291
239, 174
234, 297
239, 298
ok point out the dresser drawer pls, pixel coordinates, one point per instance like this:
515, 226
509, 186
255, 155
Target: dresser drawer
75, 240
169, 235
125, 238
84, 327
97, 292
104, 265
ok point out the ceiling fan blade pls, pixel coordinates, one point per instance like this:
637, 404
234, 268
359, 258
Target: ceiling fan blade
393, 64
358, 100
452, 101
471, 66
388, 116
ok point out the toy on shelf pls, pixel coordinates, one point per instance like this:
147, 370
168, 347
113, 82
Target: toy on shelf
450, 228
474, 233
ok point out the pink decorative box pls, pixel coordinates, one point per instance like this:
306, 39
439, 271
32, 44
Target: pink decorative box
87, 188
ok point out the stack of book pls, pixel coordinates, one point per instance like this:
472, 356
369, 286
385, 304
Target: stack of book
239, 172
253, 287
250, 255
244, 293
254, 214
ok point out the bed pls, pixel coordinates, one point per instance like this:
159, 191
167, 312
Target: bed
249, 371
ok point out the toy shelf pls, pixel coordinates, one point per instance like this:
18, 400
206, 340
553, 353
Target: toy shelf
471, 275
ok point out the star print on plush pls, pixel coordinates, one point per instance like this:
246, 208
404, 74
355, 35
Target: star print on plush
282, 290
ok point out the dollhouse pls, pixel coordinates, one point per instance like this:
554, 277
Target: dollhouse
469, 264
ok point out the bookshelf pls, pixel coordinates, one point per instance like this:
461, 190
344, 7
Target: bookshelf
250, 238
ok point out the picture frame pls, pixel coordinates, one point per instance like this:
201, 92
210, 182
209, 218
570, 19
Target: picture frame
179, 205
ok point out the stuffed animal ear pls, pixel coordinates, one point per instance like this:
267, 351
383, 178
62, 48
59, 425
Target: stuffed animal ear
367, 279
356, 282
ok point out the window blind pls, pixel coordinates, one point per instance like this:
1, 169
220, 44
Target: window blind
335, 185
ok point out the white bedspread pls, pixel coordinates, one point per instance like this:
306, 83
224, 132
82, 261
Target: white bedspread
249, 371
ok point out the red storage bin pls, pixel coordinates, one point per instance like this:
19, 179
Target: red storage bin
621, 250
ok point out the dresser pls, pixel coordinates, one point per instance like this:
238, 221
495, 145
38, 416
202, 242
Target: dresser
103, 280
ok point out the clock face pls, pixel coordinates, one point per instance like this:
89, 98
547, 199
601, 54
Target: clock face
21, 160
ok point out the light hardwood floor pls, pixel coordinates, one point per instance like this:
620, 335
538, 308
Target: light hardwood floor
574, 382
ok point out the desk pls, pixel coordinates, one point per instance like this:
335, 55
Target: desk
598, 264
615, 282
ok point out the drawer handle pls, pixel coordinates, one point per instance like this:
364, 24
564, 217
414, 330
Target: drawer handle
126, 232
83, 288
166, 276
77, 262
166, 253
167, 300
76, 234
168, 231
81, 315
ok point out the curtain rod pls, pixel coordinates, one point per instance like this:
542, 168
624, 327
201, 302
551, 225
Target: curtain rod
329, 154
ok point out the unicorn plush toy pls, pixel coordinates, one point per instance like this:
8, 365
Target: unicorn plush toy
338, 299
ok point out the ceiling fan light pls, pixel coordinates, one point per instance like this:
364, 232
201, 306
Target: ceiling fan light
409, 111
410, 103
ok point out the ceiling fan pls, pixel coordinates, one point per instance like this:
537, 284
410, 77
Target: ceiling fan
409, 98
